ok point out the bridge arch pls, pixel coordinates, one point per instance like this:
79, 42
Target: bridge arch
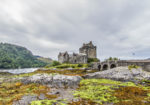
113, 66
105, 67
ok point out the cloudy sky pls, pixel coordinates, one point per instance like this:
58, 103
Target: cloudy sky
119, 28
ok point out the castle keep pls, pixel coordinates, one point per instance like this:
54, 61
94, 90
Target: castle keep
89, 49
86, 51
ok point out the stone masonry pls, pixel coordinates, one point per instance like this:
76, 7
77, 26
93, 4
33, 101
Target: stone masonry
86, 51
89, 49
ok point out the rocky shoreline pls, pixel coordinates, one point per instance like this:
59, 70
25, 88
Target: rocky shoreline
63, 86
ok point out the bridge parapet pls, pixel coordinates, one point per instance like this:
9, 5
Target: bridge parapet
104, 65
145, 64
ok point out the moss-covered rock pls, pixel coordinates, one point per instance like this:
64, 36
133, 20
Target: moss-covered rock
10, 92
104, 91
48, 102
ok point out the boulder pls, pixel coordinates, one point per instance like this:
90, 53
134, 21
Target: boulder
121, 74
53, 80
26, 100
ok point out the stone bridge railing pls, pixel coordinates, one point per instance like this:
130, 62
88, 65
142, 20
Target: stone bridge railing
105, 65
145, 64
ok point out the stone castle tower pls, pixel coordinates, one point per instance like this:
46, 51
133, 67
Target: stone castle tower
89, 49
85, 52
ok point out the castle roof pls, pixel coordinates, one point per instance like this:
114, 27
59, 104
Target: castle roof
63, 53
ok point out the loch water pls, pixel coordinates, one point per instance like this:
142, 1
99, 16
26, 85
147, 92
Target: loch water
19, 71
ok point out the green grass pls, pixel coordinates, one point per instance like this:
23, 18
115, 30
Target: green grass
10, 92
65, 65
130, 67
48, 102
108, 91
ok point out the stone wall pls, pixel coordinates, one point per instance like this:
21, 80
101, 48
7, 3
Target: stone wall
89, 49
63, 57
72, 58
78, 58
147, 67
145, 64
85, 52
104, 65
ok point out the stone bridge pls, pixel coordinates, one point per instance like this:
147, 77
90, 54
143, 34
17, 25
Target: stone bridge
145, 64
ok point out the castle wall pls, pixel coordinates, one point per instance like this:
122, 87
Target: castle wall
85, 52
74, 58
78, 59
92, 53
89, 49
62, 58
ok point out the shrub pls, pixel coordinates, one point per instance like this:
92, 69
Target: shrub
133, 67
90, 60
112, 59
80, 65
63, 66
73, 66
55, 63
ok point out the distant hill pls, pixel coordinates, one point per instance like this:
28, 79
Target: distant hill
13, 56
46, 60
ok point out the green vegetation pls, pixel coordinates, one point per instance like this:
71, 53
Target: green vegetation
112, 59
77, 72
57, 65
12, 56
53, 64
10, 92
132, 96
108, 91
90, 92
46, 60
48, 102
130, 67
90, 60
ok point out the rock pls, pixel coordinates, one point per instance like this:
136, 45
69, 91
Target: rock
66, 94
42, 97
147, 68
26, 100
121, 74
56, 80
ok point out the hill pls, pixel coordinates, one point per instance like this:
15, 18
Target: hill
46, 60
13, 56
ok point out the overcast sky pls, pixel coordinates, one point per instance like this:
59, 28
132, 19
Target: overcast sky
118, 28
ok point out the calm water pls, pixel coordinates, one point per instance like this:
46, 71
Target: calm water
19, 71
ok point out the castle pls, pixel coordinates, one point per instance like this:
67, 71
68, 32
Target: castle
90, 51
86, 51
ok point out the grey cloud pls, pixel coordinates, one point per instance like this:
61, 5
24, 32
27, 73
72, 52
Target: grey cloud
118, 27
